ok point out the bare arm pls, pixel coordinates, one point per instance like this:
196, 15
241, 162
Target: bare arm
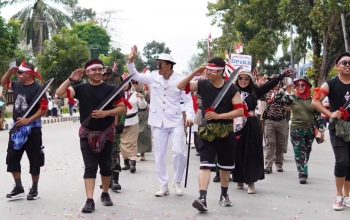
120, 109
317, 103
24, 121
187, 80
142, 78
6, 78
75, 76
228, 115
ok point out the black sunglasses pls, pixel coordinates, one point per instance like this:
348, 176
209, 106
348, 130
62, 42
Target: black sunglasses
19, 72
345, 63
134, 82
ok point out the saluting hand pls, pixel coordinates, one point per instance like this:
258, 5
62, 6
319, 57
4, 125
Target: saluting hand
77, 74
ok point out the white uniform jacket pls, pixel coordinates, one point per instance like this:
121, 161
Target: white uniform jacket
165, 110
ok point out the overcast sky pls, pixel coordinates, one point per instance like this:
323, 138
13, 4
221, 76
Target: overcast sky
177, 23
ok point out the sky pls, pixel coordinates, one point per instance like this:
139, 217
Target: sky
180, 24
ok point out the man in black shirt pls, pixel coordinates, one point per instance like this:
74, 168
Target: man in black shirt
98, 136
220, 140
338, 91
27, 136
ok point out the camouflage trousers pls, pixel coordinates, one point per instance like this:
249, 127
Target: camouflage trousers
302, 144
115, 155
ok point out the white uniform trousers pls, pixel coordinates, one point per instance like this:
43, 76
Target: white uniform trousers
162, 138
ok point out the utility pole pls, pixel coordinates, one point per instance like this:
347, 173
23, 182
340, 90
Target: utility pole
342, 17
291, 47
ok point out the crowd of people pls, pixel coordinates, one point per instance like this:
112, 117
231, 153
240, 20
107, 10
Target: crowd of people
241, 125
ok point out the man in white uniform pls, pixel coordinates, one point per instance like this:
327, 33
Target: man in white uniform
165, 118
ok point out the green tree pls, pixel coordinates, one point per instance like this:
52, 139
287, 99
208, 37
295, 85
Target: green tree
115, 56
8, 43
83, 15
61, 55
96, 37
39, 21
151, 52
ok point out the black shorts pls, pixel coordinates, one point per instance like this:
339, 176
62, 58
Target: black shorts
94, 160
223, 148
33, 150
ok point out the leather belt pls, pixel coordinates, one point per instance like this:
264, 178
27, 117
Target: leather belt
131, 115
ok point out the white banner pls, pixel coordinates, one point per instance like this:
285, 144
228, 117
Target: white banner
245, 61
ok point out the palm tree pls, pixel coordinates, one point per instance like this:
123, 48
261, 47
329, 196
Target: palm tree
41, 20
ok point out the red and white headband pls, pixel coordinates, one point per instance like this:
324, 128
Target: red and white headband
95, 65
25, 68
212, 66
343, 58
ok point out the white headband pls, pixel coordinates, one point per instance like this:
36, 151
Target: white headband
344, 58
96, 65
23, 69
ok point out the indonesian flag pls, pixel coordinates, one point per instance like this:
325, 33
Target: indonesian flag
239, 48
210, 40
115, 67
228, 71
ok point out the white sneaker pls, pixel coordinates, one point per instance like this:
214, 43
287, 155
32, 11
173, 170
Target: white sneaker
346, 202
178, 189
338, 204
163, 191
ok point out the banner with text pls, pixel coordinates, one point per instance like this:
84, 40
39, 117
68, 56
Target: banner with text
245, 61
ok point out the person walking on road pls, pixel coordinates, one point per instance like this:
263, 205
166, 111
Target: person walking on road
305, 119
27, 136
130, 134
338, 91
249, 161
165, 118
217, 135
97, 136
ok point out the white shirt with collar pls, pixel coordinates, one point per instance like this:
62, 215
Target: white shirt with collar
165, 109
136, 103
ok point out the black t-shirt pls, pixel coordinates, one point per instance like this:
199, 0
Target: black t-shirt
90, 97
24, 95
208, 93
338, 93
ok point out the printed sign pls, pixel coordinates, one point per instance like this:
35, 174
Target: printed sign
245, 61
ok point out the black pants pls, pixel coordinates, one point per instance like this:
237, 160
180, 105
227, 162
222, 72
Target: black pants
33, 150
94, 160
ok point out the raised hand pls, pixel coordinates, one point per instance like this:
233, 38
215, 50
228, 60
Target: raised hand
289, 73
77, 74
133, 54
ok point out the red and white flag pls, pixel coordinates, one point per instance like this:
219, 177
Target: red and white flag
228, 70
239, 48
115, 67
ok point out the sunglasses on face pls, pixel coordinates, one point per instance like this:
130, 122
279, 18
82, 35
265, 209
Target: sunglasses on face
345, 63
97, 69
302, 85
244, 78
19, 72
134, 82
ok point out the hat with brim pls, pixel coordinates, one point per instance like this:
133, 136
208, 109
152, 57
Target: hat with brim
304, 79
166, 57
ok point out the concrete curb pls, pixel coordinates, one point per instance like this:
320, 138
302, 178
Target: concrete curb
45, 120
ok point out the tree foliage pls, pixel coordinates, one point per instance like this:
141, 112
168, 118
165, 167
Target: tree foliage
262, 25
41, 20
151, 52
83, 14
61, 55
8, 42
96, 37
115, 56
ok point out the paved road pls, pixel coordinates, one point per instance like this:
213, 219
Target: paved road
61, 187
